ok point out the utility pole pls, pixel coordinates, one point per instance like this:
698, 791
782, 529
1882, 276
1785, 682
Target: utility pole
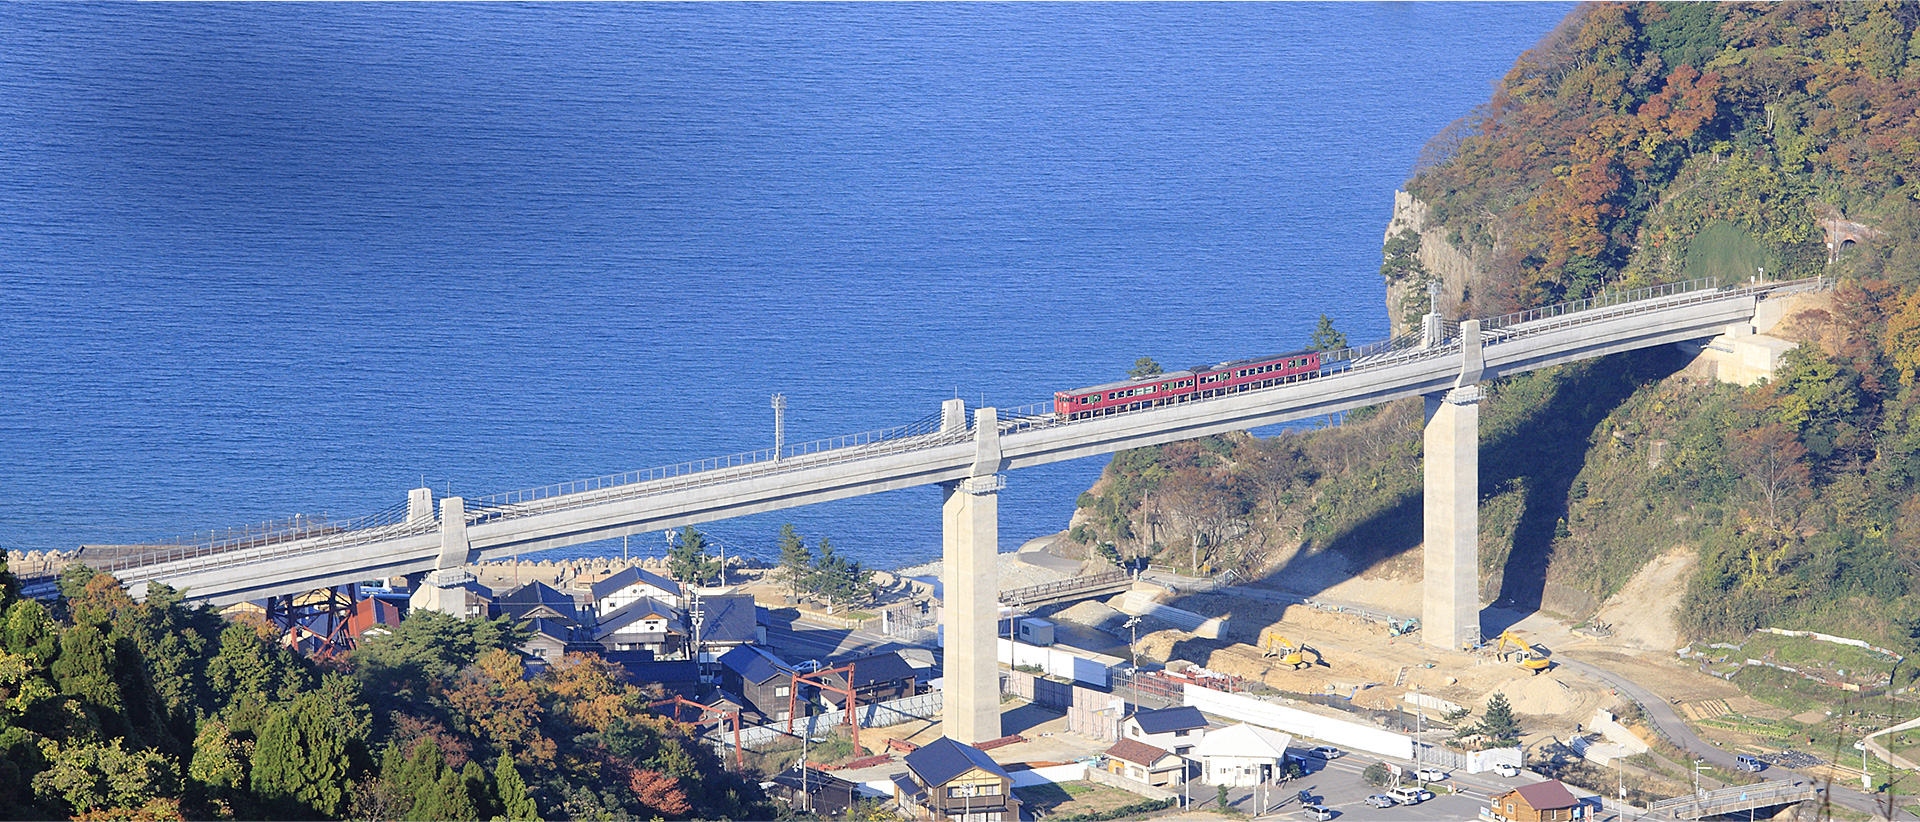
779, 425
1133, 624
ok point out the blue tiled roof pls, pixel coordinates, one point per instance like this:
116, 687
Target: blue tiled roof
635, 611
728, 618
633, 576
754, 665
1168, 720
938, 762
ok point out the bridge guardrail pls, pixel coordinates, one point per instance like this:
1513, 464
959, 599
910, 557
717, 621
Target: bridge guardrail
301, 536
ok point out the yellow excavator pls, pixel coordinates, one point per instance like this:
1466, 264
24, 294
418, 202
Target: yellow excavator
1534, 658
1273, 644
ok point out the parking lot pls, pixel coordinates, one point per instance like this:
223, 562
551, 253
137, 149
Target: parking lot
1338, 786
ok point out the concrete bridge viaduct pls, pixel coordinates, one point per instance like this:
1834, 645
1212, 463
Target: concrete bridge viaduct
969, 460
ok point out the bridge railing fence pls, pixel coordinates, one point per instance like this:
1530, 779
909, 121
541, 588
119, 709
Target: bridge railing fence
258, 535
525, 501
304, 533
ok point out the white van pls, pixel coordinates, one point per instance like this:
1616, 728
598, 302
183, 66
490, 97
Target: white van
1409, 795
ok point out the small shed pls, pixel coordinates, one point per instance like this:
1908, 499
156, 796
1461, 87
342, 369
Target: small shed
1540, 802
1036, 631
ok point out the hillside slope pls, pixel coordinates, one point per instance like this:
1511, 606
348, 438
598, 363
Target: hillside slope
1637, 144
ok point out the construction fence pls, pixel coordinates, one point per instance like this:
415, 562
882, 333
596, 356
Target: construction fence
1090, 712
924, 707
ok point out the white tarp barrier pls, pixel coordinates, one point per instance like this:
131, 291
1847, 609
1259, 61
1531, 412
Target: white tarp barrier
1338, 732
1070, 772
1088, 668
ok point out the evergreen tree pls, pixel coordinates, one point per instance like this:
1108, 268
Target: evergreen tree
300, 763
1326, 338
796, 559
688, 562
1499, 723
486, 803
1144, 367
516, 805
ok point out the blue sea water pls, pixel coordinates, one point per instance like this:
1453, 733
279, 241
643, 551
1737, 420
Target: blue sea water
273, 259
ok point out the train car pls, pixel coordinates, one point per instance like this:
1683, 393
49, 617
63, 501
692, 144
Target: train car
1184, 386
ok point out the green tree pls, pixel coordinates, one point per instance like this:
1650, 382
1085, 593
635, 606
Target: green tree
429, 647
1498, 723
689, 562
1144, 367
796, 559
30, 632
92, 776
1376, 775
300, 762
516, 805
219, 764
1326, 338
841, 581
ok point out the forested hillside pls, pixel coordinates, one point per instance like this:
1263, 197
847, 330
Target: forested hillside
1637, 144
112, 709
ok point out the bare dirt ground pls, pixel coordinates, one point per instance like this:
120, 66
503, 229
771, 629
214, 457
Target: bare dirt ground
1642, 613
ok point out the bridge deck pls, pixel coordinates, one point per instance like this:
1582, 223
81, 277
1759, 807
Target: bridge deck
927, 452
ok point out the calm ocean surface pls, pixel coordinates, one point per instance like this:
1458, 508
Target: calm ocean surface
279, 259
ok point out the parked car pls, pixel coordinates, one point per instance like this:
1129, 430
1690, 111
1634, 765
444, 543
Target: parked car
1320, 813
1381, 800
1326, 752
1431, 775
1410, 795
1748, 763
1506, 770
807, 667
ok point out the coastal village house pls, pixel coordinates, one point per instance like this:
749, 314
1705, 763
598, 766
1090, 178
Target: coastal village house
946, 780
876, 678
1242, 755
1146, 764
1170, 729
631, 584
1540, 802
762, 683
644, 624
537, 600
722, 622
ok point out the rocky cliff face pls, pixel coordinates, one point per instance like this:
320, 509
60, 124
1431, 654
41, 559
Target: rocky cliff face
1440, 261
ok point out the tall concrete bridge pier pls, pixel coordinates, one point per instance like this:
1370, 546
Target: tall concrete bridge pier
1450, 602
970, 548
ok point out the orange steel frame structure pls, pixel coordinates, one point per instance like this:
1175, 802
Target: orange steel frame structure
853, 699
739, 757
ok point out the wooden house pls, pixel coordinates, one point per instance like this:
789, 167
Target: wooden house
762, 683
643, 625
1146, 764
1540, 802
632, 584
876, 678
946, 780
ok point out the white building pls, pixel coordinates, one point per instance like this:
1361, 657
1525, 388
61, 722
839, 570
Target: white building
1242, 756
1176, 730
632, 584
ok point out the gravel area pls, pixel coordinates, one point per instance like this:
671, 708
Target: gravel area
1013, 573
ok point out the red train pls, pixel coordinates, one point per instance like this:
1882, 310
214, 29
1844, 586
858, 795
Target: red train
1195, 383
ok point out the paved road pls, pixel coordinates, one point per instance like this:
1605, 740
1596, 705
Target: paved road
1661, 713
